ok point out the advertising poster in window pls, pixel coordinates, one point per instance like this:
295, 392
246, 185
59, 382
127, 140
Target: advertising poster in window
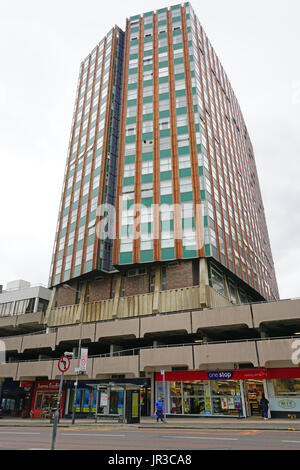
224, 403
78, 400
104, 399
230, 402
86, 401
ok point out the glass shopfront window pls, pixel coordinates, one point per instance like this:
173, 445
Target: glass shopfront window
286, 387
214, 397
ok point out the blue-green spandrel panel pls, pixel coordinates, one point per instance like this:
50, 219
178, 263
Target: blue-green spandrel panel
76, 271
189, 252
207, 250
167, 253
88, 266
146, 256
126, 258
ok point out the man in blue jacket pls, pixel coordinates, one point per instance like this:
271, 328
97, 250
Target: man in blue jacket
159, 409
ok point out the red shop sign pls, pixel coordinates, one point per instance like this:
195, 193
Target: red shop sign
51, 385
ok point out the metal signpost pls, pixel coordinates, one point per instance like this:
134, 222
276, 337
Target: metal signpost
63, 366
164, 387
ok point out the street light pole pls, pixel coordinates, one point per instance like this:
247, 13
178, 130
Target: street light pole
81, 310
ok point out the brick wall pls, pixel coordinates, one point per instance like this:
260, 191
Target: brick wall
180, 275
100, 289
66, 296
137, 285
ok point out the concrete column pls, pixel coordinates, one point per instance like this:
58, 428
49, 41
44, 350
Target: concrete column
36, 304
79, 316
203, 281
117, 296
114, 348
157, 289
47, 316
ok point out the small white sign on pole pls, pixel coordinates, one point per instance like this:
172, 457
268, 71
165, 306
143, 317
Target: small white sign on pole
83, 359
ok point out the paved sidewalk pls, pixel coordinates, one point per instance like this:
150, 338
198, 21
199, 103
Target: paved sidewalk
172, 423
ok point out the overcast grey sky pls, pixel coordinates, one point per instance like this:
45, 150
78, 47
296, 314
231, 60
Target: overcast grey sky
42, 43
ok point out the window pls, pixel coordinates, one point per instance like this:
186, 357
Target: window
216, 280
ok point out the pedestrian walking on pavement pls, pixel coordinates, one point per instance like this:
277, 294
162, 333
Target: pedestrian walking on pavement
264, 406
159, 409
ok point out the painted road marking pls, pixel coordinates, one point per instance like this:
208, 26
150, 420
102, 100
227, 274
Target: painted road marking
212, 438
294, 442
17, 432
94, 434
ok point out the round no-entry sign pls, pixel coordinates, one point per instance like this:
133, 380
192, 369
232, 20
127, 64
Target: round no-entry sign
64, 364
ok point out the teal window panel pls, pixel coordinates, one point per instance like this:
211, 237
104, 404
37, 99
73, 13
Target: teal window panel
146, 228
182, 130
134, 56
129, 159
84, 199
69, 250
81, 222
175, 7
148, 39
185, 172
199, 148
131, 103
163, 80
166, 199
126, 258
192, 73
147, 178
146, 256
177, 32
176, 19
162, 65
180, 60
149, 13
147, 156
179, 76
63, 232
205, 221
181, 110
132, 86
130, 138
186, 197
161, 23
165, 153
166, 175
148, 82
148, 67
97, 172
57, 279
76, 271
88, 266
90, 240
167, 253
163, 114
131, 120
127, 204
93, 215
150, 53
200, 170
128, 181
202, 195
67, 275
136, 17
189, 252
163, 96
188, 223
167, 225
127, 230
148, 117
148, 99
207, 250
147, 201
165, 133
183, 150
195, 108
194, 90
162, 10
197, 127
134, 70
60, 254
147, 136
180, 92
163, 49
95, 192
148, 25
79, 245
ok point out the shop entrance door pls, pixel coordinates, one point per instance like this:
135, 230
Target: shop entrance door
253, 393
